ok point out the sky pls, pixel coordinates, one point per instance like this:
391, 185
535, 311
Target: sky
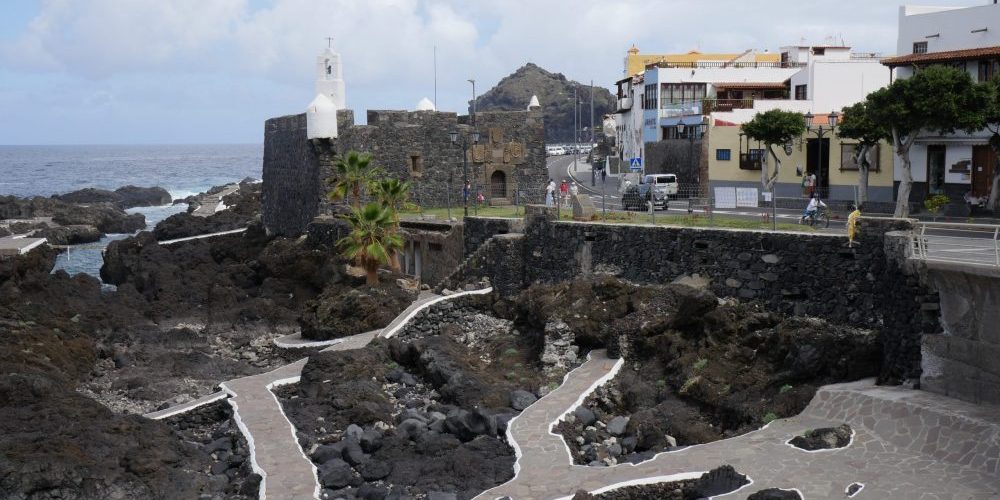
211, 71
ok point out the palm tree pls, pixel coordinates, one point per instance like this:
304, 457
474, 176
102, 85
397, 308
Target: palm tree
392, 194
372, 239
354, 173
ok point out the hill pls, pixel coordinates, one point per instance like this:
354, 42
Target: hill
555, 93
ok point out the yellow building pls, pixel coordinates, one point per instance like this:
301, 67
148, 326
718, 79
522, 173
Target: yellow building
733, 160
635, 63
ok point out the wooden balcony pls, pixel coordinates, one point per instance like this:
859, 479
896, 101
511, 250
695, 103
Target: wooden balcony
750, 163
723, 105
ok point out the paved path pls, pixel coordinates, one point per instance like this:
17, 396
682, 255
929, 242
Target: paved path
202, 236
212, 203
18, 245
274, 448
907, 444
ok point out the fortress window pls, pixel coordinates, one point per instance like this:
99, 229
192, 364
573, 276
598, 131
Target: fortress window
434, 247
416, 165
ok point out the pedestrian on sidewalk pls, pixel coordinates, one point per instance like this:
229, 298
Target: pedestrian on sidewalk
550, 193
604, 175
465, 193
564, 192
810, 180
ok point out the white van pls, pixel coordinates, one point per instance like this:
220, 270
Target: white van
663, 183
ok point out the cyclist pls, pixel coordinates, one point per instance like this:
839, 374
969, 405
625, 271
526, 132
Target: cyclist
814, 204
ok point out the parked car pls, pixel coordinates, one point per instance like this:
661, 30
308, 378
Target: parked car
555, 151
658, 188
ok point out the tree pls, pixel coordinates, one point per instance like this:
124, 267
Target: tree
354, 174
773, 127
371, 240
857, 124
992, 119
392, 194
938, 99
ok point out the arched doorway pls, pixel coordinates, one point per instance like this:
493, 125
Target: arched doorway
498, 184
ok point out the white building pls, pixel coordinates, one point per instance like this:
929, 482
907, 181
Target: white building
966, 38
330, 77
628, 119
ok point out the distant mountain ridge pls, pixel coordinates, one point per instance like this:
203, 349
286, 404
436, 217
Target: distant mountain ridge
555, 94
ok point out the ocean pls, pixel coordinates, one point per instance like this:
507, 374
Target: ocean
182, 170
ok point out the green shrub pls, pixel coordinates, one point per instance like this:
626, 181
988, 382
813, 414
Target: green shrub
770, 417
934, 203
785, 388
701, 363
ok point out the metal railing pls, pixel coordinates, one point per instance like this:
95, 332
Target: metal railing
977, 244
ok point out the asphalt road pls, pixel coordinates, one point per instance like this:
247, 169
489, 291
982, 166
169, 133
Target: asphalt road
561, 167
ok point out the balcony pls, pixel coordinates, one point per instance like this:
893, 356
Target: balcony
675, 109
624, 104
751, 162
729, 64
725, 105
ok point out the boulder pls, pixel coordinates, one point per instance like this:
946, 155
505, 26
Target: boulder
616, 427
411, 429
70, 235
135, 196
521, 399
467, 425
584, 416
373, 470
338, 474
775, 494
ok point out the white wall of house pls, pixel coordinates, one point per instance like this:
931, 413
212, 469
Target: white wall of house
953, 25
835, 84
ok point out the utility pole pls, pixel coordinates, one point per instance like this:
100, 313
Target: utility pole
593, 175
576, 131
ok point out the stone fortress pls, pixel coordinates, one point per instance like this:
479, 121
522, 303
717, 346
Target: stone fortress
507, 165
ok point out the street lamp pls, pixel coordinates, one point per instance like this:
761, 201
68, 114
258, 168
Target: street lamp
464, 141
821, 132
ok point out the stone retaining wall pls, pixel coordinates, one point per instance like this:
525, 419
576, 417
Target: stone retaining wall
964, 360
791, 273
480, 229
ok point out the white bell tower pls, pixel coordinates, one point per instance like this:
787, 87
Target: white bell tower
330, 77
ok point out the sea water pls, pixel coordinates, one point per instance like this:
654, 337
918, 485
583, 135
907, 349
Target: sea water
182, 170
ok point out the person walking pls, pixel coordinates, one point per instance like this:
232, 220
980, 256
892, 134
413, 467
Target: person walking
550, 193
465, 193
564, 192
852, 226
810, 184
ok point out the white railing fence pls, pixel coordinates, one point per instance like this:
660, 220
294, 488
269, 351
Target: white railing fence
957, 243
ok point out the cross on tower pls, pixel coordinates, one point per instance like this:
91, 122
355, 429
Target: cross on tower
329, 42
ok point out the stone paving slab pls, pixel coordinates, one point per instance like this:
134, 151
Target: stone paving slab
874, 458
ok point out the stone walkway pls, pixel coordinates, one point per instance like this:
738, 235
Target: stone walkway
907, 444
274, 448
212, 203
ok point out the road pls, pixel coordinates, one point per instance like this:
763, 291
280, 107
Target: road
561, 167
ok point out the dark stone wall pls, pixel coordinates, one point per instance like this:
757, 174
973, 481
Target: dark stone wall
869, 286
675, 156
479, 229
410, 145
290, 176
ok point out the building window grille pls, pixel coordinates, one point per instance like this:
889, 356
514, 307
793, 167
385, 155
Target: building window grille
801, 92
723, 154
919, 47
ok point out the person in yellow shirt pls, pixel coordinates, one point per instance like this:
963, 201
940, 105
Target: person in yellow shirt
852, 226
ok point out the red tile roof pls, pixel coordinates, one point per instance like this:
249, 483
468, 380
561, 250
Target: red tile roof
945, 56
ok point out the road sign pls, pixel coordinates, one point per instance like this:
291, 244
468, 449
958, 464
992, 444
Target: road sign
635, 164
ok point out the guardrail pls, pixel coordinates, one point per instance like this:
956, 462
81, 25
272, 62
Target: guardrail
977, 244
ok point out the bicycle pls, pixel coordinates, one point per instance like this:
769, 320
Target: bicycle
821, 217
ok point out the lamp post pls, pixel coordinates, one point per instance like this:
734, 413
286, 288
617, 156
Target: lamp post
464, 141
821, 132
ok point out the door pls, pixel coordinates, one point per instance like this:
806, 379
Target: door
984, 160
498, 184
935, 169
818, 162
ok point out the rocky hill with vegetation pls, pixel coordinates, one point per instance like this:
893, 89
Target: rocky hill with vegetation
555, 94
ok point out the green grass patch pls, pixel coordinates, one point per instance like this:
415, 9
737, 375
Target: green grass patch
785, 388
770, 417
701, 363
689, 384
